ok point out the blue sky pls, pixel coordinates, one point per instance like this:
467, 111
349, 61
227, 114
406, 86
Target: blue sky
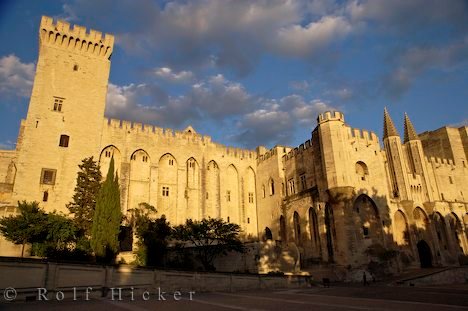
252, 73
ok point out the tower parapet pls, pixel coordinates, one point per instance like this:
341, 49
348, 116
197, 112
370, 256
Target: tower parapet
75, 39
330, 116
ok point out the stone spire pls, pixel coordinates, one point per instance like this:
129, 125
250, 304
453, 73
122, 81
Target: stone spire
389, 127
410, 133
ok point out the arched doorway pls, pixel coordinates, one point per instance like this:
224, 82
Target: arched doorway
424, 252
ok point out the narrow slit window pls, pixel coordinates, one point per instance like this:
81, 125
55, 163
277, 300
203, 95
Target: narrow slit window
45, 196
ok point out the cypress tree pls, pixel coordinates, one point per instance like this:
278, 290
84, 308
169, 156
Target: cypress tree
107, 218
87, 188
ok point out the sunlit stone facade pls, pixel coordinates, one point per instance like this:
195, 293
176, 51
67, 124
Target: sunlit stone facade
327, 200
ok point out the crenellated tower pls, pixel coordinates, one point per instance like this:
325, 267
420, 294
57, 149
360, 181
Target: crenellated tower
64, 120
396, 164
333, 142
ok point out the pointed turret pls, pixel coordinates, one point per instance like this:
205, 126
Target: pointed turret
410, 133
389, 127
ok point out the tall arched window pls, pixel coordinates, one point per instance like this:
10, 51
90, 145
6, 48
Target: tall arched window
313, 227
297, 228
272, 186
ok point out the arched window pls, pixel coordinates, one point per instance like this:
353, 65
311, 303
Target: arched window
313, 227
361, 170
297, 228
272, 186
263, 191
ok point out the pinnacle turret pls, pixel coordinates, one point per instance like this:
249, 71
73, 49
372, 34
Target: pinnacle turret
410, 133
389, 127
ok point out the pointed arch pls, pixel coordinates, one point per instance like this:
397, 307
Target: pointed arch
314, 230
139, 179
271, 186
212, 190
456, 230
297, 228
140, 163
231, 196
441, 230
401, 234
192, 189
249, 206
361, 170
167, 185
370, 222
107, 153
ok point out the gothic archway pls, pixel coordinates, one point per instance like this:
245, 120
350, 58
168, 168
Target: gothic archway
425, 255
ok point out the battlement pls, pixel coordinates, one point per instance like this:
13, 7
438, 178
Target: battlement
267, 155
330, 116
441, 162
190, 136
270, 153
75, 39
298, 150
365, 135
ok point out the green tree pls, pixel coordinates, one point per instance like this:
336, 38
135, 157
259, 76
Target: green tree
48, 233
87, 188
26, 227
211, 238
152, 236
107, 218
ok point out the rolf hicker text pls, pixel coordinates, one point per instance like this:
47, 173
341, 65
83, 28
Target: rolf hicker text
115, 294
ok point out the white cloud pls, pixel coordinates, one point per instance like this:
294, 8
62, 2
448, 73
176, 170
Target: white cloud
231, 33
168, 74
213, 102
297, 40
16, 78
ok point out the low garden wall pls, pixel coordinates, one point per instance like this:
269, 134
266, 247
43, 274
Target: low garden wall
27, 276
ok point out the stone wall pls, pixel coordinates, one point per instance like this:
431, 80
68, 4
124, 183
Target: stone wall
27, 276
